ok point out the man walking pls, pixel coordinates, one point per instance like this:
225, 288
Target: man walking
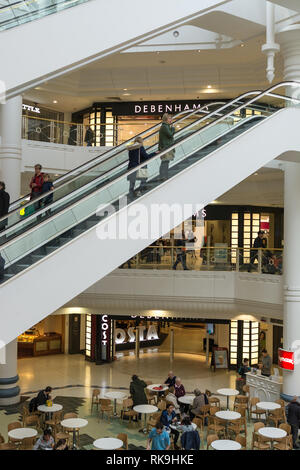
293, 418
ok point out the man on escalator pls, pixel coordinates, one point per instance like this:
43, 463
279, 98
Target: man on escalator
4, 206
36, 185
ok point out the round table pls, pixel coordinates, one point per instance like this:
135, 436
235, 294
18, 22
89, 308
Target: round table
116, 396
227, 416
22, 433
272, 434
267, 406
225, 444
163, 388
108, 443
49, 409
228, 392
186, 399
74, 423
145, 409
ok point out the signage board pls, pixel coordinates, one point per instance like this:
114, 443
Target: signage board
286, 359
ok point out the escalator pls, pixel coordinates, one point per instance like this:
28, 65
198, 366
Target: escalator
58, 257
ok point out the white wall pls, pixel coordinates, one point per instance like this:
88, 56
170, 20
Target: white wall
56, 157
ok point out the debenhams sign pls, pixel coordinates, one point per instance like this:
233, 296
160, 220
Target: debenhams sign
155, 107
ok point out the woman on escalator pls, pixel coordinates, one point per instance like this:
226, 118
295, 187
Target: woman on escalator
137, 155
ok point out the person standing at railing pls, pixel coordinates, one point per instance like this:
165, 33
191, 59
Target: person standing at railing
4, 205
166, 139
72, 140
181, 253
259, 242
89, 137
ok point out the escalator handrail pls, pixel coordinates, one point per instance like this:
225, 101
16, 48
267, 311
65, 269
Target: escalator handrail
66, 209
158, 155
88, 165
100, 159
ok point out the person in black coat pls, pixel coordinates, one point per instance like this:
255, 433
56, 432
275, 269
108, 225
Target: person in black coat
137, 155
259, 242
43, 396
89, 137
4, 205
293, 418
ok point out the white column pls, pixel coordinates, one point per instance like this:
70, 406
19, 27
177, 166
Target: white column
291, 319
171, 344
9, 390
289, 40
10, 148
270, 48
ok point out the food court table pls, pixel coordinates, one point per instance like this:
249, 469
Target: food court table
22, 433
108, 443
225, 444
49, 409
145, 409
154, 387
228, 392
116, 396
227, 416
74, 424
186, 399
272, 433
268, 406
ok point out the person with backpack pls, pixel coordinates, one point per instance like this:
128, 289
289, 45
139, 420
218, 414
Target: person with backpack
137, 155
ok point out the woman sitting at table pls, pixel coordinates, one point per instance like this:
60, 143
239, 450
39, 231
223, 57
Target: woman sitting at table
199, 400
185, 425
167, 418
179, 388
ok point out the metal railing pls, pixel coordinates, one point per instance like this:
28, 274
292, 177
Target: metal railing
217, 258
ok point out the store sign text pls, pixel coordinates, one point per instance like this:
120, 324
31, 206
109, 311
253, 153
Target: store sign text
286, 359
104, 329
158, 108
128, 336
33, 109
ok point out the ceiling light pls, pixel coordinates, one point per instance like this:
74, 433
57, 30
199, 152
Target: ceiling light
199, 50
126, 94
124, 89
54, 101
242, 45
208, 86
157, 52
176, 34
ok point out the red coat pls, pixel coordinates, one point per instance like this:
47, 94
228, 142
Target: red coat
179, 390
38, 180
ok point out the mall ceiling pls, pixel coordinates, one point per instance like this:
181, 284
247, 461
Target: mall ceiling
161, 75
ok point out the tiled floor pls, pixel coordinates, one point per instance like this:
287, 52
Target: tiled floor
73, 379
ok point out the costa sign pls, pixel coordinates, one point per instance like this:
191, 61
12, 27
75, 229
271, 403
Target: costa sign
128, 336
104, 329
286, 359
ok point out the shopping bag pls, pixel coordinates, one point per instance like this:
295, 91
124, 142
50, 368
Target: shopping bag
142, 174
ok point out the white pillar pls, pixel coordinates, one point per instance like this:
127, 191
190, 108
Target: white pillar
172, 344
11, 145
289, 40
291, 319
9, 390
270, 48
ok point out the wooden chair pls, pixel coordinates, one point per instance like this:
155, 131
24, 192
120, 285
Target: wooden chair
213, 410
8, 446
32, 421
127, 410
2, 440
216, 425
280, 402
54, 423
153, 419
95, 399
25, 413
162, 405
259, 442
241, 401
63, 435
246, 389
198, 423
10, 427
237, 426
253, 408
204, 413
211, 438
286, 427
241, 440
150, 397
105, 408
27, 443
277, 416
70, 415
214, 402
286, 443
70, 430
123, 437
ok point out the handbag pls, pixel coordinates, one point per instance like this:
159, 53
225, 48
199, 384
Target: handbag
142, 173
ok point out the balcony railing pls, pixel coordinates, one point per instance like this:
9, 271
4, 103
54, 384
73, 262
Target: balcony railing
253, 260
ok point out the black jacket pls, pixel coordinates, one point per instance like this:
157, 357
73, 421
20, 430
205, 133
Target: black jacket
4, 202
137, 154
293, 413
260, 243
41, 399
190, 440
